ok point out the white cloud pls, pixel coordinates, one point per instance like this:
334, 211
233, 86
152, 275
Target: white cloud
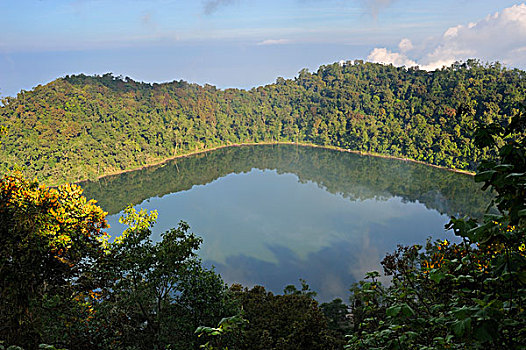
498, 37
405, 45
452, 32
274, 42
382, 55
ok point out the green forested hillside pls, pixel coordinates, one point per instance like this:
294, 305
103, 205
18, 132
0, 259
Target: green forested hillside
81, 127
65, 285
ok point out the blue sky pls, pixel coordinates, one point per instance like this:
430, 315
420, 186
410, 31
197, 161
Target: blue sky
246, 43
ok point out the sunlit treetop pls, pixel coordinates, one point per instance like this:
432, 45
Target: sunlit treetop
60, 219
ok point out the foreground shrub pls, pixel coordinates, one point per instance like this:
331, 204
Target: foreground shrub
469, 295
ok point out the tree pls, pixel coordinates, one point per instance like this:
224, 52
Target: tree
3, 131
227, 333
286, 322
63, 131
160, 292
458, 296
63, 283
49, 240
337, 314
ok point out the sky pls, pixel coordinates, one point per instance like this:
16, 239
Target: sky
247, 43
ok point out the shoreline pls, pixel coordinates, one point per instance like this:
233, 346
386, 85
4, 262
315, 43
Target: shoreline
267, 143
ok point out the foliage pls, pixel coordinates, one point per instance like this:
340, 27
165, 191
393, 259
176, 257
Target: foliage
305, 290
159, 293
351, 175
49, 241
228, 327
285, 322
337, 314
81, 127
458, 296
63, 283
3, 132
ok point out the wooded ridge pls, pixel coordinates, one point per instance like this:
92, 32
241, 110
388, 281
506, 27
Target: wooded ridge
81, 127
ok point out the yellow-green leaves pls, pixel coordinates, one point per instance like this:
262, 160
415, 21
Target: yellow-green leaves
136, 221
50, 240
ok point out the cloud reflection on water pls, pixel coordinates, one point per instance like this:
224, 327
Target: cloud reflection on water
272, 227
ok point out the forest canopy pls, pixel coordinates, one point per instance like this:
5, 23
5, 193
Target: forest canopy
63, 283
82, 127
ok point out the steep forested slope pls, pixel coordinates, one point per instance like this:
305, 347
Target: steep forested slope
81, 127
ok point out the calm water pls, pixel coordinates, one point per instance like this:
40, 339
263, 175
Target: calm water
270, 215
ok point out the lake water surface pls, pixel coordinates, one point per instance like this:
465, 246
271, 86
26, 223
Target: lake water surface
270, 215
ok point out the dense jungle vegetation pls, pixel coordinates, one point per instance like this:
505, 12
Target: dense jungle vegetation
81, 127
65, 285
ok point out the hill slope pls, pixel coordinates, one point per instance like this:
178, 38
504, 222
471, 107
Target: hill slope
81, 127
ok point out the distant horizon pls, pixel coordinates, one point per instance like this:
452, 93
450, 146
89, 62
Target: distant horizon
200, 81
124, 76
247, 43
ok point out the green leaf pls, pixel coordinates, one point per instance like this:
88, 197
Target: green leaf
484, 176
522, 276
372, 274
407, 311
493, 217
462, 327
437, 276
515, 175
483, 333
393, 311
504, 167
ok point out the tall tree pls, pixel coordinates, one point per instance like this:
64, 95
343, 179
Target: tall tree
160, 292
49, 240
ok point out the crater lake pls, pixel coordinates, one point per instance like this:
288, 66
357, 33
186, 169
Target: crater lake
272, 214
